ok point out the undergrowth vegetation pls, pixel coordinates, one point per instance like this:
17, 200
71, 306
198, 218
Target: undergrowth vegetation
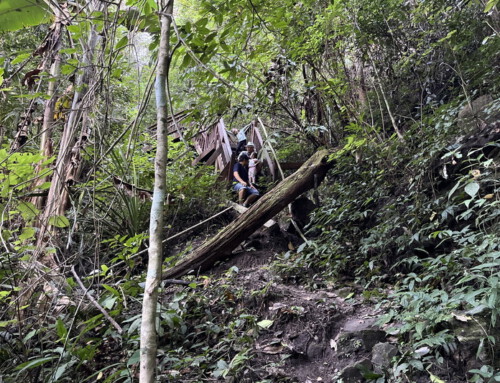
418, 225
405, 95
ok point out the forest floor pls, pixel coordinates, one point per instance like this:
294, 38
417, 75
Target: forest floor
325, 333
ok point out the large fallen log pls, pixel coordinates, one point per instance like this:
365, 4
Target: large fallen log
218, 248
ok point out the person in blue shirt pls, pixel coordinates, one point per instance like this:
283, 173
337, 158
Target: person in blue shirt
247, 193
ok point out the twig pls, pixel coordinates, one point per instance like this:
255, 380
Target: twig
178, 234
94, 302
177, 282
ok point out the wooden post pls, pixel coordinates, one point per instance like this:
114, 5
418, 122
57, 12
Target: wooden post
220, 247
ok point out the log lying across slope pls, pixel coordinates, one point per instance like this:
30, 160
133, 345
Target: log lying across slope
221, 245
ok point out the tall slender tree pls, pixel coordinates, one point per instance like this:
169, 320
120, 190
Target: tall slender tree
153, 277
68, 163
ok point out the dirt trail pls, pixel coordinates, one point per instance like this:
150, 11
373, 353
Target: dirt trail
316, 336
326, 334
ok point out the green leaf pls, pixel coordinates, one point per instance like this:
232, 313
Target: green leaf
108, 302
17, 14
30, 335
67, 69
488, 265
28, 233
69, 51
61, 329
266, 323
59, 221
4, 294
447, 36
435, 379
111, 290
117, 73
21, 57
28, 210
135, 358
123, 42
152, 4
34, 363
6, 323
472, 188
74, 28
490, 5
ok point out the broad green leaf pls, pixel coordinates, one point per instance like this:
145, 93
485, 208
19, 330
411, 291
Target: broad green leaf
67, 69
61, 329
59, 221
30, 335
490, 5
4, 294
28, 233
123, 42
134, 359
117, 73
152, 4
62, 369
108, 302
17, 14
111, 290
21, 57
28, 210
435, 379
266, 323
472, 188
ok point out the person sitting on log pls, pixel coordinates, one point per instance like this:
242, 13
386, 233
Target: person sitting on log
241, 183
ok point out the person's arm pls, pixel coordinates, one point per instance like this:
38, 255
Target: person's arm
237, 176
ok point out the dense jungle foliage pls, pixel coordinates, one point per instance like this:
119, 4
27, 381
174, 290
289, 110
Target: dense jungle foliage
405, 94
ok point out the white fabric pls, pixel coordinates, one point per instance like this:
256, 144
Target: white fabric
241, 135
252, 168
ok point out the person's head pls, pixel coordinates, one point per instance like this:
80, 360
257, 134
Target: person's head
235, 131
252, 155
243, 158
250, 147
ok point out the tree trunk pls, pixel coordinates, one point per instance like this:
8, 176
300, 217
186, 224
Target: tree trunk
153, 277
54, 62
67, 165
221, 246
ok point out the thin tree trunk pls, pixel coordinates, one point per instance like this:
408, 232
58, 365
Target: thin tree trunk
384, 97
153, 277
67, 166
360, 81
54, 60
